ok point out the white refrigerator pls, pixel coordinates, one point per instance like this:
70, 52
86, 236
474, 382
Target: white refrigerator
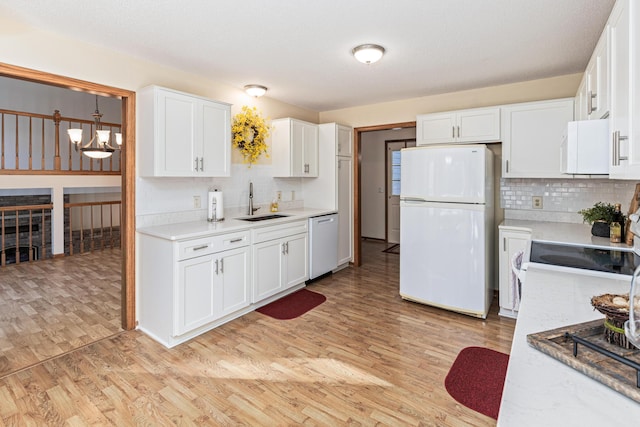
446, 227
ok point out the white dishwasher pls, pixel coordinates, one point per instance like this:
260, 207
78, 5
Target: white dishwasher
323, 244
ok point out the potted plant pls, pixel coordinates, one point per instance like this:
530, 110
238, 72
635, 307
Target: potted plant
600, 216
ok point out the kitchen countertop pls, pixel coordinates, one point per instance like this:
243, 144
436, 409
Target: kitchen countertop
539, 390
196, 229
561, 232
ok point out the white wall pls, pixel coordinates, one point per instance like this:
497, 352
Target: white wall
373, 179
27, 46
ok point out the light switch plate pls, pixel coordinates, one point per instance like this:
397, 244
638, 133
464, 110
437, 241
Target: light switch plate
196, 202
536, 201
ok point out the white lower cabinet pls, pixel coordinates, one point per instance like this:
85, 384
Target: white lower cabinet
511, 242
210, 287
281, 259
190, 286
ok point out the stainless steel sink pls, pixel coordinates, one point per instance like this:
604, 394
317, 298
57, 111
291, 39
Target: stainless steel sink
262, 217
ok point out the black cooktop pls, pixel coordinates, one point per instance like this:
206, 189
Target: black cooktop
589, 258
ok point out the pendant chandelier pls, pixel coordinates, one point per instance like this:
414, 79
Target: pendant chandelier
98, 147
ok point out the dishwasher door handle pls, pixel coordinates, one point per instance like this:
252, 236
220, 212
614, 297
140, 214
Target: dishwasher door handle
322, 221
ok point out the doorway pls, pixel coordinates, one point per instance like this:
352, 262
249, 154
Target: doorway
128, 171
370, 195
393, 168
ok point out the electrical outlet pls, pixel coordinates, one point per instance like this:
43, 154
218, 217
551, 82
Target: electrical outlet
536, 202
196, 202
279, 196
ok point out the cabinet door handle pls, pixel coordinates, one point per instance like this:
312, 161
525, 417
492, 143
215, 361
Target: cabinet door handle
216, 267
507, 166
287, 248
615, 161
199, 248
306, 168
283, 249
339, 148
590, 97
239, 239
196, 164
453, 131
504, 244
458, 128
221, 265
201, 164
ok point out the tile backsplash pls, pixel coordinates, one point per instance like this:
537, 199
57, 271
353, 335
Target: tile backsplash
561, 198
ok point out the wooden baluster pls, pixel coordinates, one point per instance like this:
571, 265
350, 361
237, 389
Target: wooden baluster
30, 235
81, 228
70, 231
17, 237
3, 254
43, 246
30, 143
91, 246
56, 160
111, 226
70, 150
43, 165
2, 143
17, 146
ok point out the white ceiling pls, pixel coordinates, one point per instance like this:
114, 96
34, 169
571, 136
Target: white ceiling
301, 49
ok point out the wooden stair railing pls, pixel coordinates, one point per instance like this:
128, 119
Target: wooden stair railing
17, 228
31, 143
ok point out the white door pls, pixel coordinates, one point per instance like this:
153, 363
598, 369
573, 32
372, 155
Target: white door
234, 271
393, 188
195, 304
449, 174
216, 131
176, 130
442, 261
267, 269
296, 260
435, 128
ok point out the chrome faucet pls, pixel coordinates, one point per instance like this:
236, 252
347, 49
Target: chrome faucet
251, 208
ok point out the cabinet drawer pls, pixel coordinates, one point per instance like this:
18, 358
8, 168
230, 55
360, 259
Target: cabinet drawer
278, 231
208, 245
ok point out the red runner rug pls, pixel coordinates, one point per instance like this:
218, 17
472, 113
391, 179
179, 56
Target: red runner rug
476, 379
293, 305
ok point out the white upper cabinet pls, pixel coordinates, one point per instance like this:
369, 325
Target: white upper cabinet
532, 137
597, 80
624, 24
294, 146
592, 99
344, 140
182, 135
474, 125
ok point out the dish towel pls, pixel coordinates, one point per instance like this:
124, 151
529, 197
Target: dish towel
516, 286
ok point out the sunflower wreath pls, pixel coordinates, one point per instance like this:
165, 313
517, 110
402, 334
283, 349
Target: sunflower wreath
249, 133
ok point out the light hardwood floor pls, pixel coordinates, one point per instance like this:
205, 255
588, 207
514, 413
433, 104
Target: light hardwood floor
50, 307
364, 357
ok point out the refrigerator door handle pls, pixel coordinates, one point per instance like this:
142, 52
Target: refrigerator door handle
412, 200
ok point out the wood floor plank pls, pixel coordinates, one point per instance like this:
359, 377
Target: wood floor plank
364, 357
57, 305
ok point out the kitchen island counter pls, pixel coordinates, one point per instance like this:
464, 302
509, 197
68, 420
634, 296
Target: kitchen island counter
539, 390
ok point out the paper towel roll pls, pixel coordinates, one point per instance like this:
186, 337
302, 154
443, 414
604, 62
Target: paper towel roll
215, 206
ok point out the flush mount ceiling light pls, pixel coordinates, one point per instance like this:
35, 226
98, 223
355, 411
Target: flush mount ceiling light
101, 149
255, 90
368, 53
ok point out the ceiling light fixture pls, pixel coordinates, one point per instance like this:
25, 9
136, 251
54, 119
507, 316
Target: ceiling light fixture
255, 90
368, 53
102, 148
